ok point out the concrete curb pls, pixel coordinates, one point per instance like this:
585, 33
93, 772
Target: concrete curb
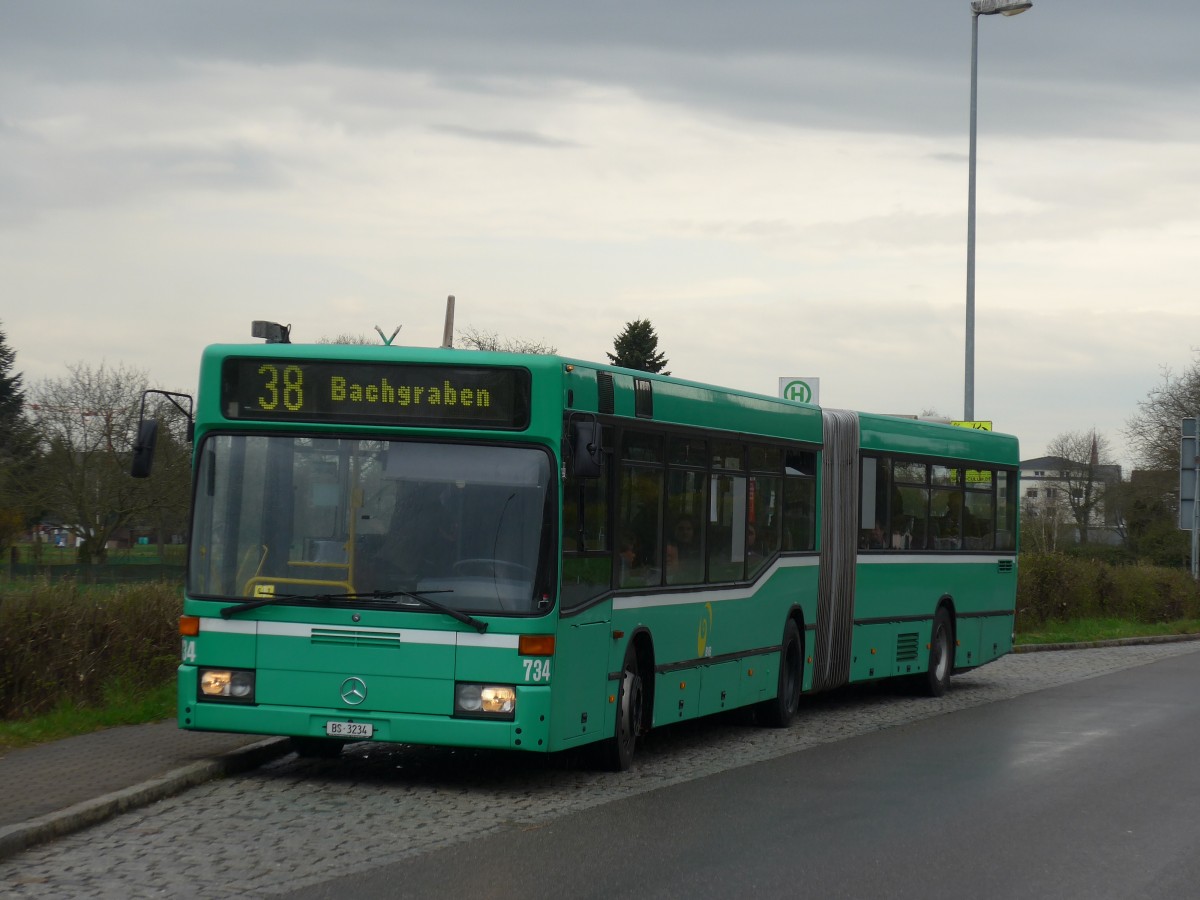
1118, 642
15, 838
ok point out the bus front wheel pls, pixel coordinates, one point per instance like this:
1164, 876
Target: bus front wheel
618, 750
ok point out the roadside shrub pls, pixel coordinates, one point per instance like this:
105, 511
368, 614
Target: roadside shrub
1058, 587
1114, 555
65, 642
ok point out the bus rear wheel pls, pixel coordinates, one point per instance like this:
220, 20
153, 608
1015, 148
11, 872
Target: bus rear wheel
941, 656
778, 713
617, 751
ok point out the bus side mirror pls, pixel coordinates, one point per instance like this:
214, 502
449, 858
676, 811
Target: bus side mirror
147, 436
143, 448
587, 450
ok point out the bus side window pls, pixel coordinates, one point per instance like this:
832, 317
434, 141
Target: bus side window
979, 530
685, 509
912, 508
1006, 510
639, 525
587, 564
726, 534
799, 501
762, 527
585, 513
874, 517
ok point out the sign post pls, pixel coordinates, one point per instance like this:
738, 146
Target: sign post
1189, 508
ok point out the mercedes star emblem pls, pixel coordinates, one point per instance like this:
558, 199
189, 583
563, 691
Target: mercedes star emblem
354, 691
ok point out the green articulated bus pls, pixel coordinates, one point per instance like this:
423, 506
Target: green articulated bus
450, 547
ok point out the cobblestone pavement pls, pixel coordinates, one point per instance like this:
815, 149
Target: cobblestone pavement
296, 822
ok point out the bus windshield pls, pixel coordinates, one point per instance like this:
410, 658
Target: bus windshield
299, 517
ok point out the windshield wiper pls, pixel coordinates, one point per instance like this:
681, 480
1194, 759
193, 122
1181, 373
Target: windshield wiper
420, 597
229, 611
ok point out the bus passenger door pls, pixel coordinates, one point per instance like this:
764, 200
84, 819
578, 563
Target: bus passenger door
580, 678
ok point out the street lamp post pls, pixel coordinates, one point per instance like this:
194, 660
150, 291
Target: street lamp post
978, 8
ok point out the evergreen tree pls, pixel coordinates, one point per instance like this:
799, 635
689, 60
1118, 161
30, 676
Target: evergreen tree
17, 446
637, 348
12, 396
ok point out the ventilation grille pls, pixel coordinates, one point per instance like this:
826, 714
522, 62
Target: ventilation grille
906, 647
604, 384
1004, 566
643, 398
355, 638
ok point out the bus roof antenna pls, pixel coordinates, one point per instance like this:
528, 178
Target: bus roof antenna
388, 340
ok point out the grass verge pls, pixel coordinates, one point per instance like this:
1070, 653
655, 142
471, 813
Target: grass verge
121, 704
1085, 630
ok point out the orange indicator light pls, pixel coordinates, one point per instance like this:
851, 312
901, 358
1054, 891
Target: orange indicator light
536, 645
189, 626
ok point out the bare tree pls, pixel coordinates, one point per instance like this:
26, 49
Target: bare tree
1153, 433
87, 423
1082, 470
1043, 521
354, 340
479, 339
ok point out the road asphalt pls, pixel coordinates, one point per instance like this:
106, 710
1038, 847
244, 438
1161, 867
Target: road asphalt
52, 789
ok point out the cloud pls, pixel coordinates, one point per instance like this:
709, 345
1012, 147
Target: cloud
524, 138
780, 188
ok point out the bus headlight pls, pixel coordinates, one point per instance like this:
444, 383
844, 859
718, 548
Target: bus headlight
485, 700
227, 684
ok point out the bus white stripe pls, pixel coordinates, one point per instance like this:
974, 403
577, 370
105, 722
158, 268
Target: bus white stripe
942, 559
406, 635
715, 595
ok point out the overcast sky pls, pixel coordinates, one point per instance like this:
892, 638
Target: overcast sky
781, 188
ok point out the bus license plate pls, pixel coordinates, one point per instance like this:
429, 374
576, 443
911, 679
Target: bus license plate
349, 729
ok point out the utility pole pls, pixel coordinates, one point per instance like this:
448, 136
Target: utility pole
448, 330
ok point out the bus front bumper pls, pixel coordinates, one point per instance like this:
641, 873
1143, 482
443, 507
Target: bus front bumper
528, 730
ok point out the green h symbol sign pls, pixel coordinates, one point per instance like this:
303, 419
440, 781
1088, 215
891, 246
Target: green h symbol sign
802, 390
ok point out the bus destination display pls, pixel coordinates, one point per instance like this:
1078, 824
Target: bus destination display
375, 393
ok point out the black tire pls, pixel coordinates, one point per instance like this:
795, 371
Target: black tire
779, 712
617, 751
936, 680
317, 748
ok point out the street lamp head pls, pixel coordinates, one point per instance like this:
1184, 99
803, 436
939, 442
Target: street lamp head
1003, 7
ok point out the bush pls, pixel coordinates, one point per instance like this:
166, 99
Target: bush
66, 642
1114, 555
1059, 588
